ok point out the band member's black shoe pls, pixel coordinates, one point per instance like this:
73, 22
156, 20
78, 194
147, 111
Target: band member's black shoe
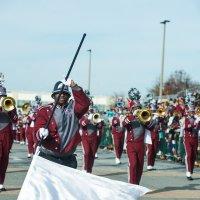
190, 178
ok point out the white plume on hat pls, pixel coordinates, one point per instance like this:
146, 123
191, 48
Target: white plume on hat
2, 91
191, 108
153, 106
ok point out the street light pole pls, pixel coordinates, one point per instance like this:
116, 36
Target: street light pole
89, 69
163, 60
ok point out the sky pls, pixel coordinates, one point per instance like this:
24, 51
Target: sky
38, 40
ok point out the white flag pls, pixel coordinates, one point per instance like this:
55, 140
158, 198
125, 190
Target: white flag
47, 180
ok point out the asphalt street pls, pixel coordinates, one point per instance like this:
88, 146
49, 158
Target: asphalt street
166, 182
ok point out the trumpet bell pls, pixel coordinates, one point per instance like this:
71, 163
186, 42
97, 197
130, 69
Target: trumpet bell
8, 104
26, 108
197, 112
144, 115
161, 112
96, 118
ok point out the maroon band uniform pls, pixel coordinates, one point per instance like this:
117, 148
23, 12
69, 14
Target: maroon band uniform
90, 141
118, 132
190, 139
135, 148
6, 120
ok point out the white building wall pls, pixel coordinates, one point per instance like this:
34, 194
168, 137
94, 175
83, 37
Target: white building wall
30, 96
46, 97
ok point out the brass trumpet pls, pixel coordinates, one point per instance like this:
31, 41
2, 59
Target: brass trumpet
96, 118
26, 107
161, 112
197, 111
8, 104
144, 115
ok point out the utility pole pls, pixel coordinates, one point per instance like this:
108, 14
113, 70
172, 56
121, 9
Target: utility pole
89, 69
163, 60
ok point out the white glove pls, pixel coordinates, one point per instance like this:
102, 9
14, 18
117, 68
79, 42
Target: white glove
69, 82
155, 116
83, 123
115, 121
127, 121
98, 133
90, 116
43, 133
197, 120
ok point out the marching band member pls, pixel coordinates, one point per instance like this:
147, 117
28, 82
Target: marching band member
23, 129
31, 111
137, 127
151, 149
14, 128
101, 128
135, 144
118, 132
19, 128
29, 132
7, 117
60, 140
191, 129
173, 128
90, 128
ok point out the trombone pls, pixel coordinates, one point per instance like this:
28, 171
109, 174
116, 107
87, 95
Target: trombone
8, 104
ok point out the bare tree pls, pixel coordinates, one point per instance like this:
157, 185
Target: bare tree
177, 81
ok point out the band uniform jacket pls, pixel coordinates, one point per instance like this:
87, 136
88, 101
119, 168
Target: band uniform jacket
135, 130
76, 109
6, 121
117, 126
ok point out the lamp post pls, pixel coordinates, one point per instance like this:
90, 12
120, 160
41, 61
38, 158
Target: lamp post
163, 59
89, 69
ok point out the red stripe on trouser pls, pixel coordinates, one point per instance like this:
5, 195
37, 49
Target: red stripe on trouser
89, 148
151, 152
135, 153
118, 143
